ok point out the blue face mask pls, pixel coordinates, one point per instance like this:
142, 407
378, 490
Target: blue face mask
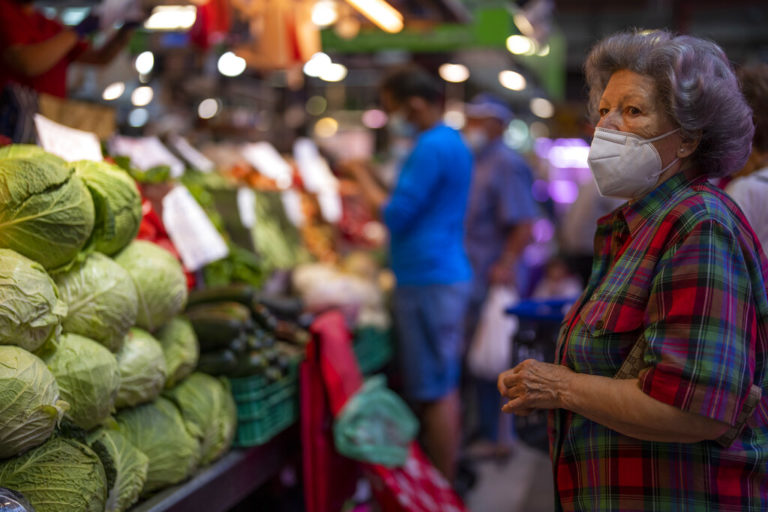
399, 126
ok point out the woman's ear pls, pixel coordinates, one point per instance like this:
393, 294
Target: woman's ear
688, 145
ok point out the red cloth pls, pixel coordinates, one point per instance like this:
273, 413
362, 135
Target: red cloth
329, 478
19, 27
330, 376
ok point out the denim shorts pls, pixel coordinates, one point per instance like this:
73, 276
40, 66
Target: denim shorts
430, 331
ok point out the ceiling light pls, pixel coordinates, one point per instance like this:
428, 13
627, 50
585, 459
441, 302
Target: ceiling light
142, 96
455, 119
381, 13
325, 13
208, 108
512, 80
317, 64
334, 72
520, 45
138, 117
145, 62
455, 73
326, 127
523, 24
347, 27
231, 65
113, 91
542, 107
171, 17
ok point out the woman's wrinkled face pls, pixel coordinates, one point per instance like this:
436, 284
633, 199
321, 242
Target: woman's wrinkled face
629, 104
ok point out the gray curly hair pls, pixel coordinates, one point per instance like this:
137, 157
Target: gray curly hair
694, 82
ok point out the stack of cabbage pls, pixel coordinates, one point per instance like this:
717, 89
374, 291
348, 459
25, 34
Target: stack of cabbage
88, 328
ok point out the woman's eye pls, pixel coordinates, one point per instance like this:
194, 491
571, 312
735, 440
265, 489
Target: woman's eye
633, 111
603, 112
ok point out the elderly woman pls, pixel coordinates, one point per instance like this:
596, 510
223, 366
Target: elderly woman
655, 394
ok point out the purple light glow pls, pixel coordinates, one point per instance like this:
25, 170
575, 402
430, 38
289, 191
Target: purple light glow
543, 231
563, 191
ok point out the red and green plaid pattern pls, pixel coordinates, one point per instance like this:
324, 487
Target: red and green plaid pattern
681, 268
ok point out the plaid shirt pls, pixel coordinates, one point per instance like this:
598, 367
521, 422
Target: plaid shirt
681, 268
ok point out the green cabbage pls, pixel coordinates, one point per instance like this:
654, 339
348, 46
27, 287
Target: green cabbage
158, 430
209, 412
30, 308
88, 379
117, 202
20, 151
131, 467
47, 213
101, 299
181, 350
29, 401
61, 475
142, 369
160, 282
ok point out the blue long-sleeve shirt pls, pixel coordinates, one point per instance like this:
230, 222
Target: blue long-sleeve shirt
425, 214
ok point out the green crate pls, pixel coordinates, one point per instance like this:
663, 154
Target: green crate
259, 430
255, 409
257, 387
373, 348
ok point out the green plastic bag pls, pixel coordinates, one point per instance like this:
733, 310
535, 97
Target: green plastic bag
375, 426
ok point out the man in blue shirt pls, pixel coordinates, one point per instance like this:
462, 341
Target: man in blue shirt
499, 217
425, 217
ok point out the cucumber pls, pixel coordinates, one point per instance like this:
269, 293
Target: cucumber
231, 309
263, 316
242, 293
221, 362
216, 331
254, 363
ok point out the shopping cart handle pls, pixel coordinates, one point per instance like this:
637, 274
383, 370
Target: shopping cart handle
552, 310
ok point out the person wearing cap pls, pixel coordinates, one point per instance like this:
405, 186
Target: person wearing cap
498, 228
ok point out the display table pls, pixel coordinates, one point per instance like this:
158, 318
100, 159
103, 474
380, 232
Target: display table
228, 481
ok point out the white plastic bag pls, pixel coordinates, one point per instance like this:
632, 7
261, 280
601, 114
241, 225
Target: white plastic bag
491, 348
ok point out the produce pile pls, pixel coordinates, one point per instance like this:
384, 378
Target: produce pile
239, 335
99, 402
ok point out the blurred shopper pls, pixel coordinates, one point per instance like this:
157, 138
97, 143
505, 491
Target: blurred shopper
35, 51
499, 218
658, 396
425, 217
750, 189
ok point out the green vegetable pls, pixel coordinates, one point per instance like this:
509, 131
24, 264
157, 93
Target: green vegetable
159, 280
221, 362
61, 475
158, 430
47, 213
117, 202
209, 412
31, 309
22, 151
242, 293
102, 300
131, 466
29, 401
181, 350
88, 379
217, 324
142, 369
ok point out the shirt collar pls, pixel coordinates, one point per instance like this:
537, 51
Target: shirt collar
638, 213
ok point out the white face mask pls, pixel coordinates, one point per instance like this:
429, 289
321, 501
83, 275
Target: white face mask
476, 139
625, 165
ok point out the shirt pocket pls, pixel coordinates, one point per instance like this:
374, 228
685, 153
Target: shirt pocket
609, 331
602, 317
